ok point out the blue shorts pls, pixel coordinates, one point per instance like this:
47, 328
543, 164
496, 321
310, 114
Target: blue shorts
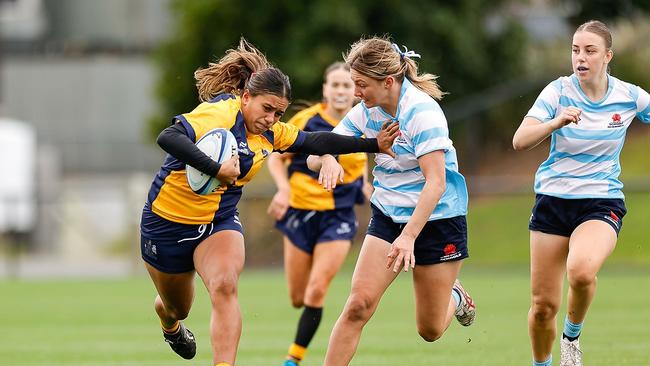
169, 246
560, 216
306, 228
439, 241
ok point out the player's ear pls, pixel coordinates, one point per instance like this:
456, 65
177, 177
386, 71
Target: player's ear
608, 56
245, 97
389, 81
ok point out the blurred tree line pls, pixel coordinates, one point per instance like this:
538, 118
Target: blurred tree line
303, 37
480, 52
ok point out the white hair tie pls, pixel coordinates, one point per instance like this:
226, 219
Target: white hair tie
406, 52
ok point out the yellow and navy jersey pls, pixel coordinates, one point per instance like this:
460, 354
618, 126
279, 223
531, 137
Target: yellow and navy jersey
306, 193
170, 195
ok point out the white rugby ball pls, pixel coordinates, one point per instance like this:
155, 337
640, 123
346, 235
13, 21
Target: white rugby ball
220, 145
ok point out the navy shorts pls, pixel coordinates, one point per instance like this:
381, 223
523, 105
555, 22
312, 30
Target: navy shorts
560, 216
306, 228
169, 246
439, 241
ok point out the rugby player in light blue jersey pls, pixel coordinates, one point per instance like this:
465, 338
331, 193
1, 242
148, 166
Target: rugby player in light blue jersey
419, 202
579, 204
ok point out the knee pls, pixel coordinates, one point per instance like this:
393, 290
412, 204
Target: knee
315, 293
430, 334
358, 309
542, 310
297, 296
579, 279
224, 285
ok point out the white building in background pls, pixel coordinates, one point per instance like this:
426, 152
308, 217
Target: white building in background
80, 72
18, 178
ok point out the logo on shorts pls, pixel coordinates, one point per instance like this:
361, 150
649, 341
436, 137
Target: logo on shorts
450, 252
616, 121
292, 223
613, 219
344, 228
449, 249
150, 249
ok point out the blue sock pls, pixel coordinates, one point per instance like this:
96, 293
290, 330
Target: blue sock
548, 362
456, 295
571, 331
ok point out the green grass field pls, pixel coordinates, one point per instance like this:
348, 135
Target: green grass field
112, 323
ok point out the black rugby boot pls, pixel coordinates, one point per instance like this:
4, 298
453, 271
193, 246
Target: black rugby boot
182, 342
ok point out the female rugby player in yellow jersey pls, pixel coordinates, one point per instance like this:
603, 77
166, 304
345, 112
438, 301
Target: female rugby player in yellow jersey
183, 232
318, 225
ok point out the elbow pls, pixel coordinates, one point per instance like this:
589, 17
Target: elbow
441, 188
436, 186
161, 139
518, 145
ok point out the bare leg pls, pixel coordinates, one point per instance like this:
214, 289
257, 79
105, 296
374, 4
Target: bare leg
328, 259
548, 255
369, 282
434, 305
219, 260
297, 266
590, 244
309, 276
175, 295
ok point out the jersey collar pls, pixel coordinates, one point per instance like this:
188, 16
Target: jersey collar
610, 87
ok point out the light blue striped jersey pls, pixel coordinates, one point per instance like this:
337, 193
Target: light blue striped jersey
398, 182
584, 158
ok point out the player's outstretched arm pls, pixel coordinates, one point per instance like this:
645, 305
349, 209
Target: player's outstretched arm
321, 143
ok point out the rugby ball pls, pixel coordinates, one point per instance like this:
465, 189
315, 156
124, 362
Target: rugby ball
220, 145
